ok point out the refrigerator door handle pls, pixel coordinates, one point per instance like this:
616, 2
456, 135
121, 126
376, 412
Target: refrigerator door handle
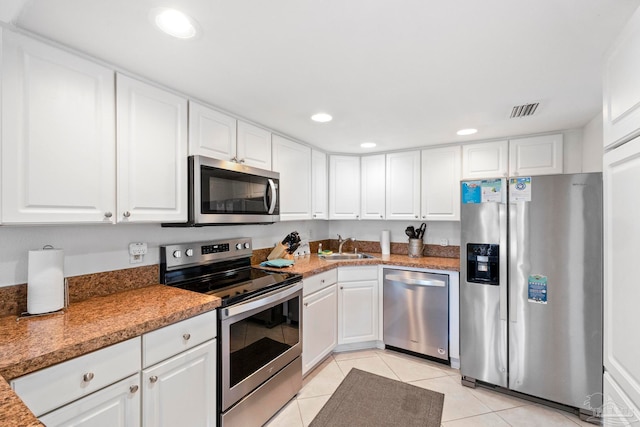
503, 261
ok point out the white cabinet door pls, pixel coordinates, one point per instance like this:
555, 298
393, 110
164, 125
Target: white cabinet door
536, 155
293, 162
357, 311
117, 405
211, 133
319, 185
344, 187
320, 320
403, 185
181, 391
254, 146
621, 291
152, 153
621, 86
58, 135
485, 160
373, 186
441, 184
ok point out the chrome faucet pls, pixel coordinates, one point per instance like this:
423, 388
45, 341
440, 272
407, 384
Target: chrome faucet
342, 241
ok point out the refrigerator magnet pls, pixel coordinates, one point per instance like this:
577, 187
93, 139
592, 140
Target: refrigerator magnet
520, 189
471, 192
537, 289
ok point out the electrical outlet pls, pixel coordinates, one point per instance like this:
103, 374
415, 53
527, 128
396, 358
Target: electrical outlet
444, 242
137, 252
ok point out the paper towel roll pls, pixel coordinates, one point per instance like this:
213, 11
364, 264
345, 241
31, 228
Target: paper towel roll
45, 281
385, 242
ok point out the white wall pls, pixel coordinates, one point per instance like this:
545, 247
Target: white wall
98, 248
592, 143
370, 230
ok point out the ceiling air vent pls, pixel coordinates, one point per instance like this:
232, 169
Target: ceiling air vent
524, 110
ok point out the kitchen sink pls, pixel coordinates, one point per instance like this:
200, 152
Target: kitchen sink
346, 256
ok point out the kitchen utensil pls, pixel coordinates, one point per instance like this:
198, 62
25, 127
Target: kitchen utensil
421, 230
410, 231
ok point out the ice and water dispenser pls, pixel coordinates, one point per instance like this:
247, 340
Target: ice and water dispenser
483, 263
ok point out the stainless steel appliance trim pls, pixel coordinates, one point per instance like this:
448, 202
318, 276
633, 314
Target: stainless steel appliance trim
503, 272
412, 281
231, 166
258, 303
274, 194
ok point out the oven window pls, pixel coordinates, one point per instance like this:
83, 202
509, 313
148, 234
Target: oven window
229, 192
257, 340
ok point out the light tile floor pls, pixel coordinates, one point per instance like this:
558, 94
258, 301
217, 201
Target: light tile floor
463, 406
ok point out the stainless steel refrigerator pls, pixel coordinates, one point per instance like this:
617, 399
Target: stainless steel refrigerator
531, 286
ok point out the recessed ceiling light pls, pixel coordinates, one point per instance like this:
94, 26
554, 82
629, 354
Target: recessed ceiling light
368, 144
467, 131
321, 117
174, 23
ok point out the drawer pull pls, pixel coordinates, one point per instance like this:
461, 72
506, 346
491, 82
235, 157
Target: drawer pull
133, 388
306, 304
186, 337
153, 379
322, 281
87, 377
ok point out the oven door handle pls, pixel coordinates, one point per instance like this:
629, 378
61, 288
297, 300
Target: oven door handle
261, 301
273, 199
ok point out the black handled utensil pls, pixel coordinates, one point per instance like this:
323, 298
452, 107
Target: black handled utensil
411, 232
421, 230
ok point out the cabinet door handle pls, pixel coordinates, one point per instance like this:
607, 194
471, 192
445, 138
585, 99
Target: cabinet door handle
241, 161
306, 304
108, 214
381, 216
186, 337
322, 281
133, 388
153, 379
87, 377
341, 287
416, 216
126, 214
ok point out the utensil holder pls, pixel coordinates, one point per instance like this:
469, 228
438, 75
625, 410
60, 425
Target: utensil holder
415, 248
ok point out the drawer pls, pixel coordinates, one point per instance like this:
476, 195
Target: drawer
60, 384
350, 274
173, 339
319, 281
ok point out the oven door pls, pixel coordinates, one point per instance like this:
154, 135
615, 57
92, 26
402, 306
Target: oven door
258, 338
227, 192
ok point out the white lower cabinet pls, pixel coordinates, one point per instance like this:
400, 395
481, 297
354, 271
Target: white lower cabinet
181, 391
117, 405
357, 304
320, 318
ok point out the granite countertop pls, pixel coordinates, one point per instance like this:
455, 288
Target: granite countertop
38, 342
310, 265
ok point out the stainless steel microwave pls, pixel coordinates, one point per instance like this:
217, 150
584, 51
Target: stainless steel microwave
222, 192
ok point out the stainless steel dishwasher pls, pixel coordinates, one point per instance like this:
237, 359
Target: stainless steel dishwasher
416, 312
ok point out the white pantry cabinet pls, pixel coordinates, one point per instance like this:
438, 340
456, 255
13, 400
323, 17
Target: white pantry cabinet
152, 153
293, 162
211, 133
58, 135
357, 304
344, 187
485, 160
441, 184
403, 185
373, 186
621, 86
320, 318
319, 185
536, 155
253, 146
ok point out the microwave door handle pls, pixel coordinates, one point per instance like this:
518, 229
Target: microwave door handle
272, 190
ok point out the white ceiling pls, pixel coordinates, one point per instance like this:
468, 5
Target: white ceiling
404, 73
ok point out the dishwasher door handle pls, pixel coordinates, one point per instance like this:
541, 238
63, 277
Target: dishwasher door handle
417, 282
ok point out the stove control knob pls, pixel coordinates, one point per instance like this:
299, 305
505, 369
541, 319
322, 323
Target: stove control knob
177, 254
238, 246
246, 245
188, 252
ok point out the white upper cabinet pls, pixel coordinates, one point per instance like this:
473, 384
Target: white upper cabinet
621, 88
485, 160
403, 185
441, 184
373, 186
211, 133
319, 185
536, 155
293, 162
254, 146
152, 153
58, 135
344, 187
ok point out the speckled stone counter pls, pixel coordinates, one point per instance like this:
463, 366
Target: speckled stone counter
38, 342
313, 264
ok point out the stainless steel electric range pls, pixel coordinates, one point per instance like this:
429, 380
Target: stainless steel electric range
259, 325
